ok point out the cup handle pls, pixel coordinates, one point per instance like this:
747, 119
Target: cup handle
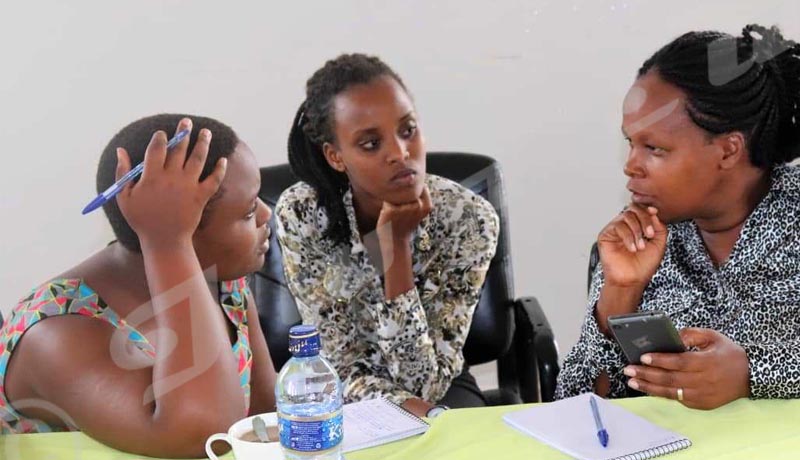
211, 439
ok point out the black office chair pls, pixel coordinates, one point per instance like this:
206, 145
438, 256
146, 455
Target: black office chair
594, 259
515, 332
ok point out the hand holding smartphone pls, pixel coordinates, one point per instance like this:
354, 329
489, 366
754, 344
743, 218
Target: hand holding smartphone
645, 332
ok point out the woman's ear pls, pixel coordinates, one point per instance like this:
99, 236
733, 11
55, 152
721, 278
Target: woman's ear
333, 156
734, 149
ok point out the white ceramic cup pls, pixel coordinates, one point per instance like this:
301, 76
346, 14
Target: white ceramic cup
245, 450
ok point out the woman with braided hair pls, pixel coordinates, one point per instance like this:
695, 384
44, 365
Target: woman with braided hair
387, 261
712, 233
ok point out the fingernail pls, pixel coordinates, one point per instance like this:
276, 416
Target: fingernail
629, 371
186, 122
206, 134
647, 359
632, 247
650, 231
633, 384
119, 154
641, 243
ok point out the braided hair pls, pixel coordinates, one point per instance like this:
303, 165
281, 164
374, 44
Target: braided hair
313, 126
749, 84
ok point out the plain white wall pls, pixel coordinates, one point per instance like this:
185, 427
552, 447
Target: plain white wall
536, 84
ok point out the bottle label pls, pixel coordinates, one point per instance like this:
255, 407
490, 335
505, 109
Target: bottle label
311, 434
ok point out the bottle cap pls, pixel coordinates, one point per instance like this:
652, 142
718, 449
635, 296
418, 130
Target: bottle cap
304, 341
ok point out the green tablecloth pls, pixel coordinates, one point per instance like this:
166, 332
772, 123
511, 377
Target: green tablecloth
741, 430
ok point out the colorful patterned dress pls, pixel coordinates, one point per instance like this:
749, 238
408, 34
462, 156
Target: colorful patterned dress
74, 297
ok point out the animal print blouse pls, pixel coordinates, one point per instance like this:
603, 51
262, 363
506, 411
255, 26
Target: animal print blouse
412, 345
753, 298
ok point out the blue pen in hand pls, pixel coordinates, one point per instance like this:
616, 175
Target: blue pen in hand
117, 187
602, 434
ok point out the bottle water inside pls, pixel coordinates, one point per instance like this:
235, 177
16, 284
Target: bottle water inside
309, 397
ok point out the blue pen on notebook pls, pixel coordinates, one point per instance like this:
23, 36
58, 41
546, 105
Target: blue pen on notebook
117, 187
602, 434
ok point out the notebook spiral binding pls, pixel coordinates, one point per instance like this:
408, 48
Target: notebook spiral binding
658, 451
405, 411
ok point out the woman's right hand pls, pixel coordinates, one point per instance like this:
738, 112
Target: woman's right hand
631, 247
397, 222
164, 208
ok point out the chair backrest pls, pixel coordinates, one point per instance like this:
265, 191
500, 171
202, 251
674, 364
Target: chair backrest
492, 327
594, 259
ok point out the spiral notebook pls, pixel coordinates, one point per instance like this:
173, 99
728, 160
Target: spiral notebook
568, 425
378, 421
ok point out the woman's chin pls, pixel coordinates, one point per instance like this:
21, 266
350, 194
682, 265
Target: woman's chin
404, 196
261, 257
241, 271
409, 194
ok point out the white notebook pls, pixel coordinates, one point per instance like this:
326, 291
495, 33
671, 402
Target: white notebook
379, 421
568, 425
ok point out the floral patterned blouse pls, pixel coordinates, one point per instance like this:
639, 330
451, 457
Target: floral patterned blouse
753, 298
74, 297
412, 345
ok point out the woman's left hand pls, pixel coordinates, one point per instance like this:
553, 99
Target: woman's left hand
714, 375
418, 407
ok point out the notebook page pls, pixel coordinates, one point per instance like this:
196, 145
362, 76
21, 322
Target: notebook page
568, 426
377, 421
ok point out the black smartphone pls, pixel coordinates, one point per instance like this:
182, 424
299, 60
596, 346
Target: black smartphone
645, 332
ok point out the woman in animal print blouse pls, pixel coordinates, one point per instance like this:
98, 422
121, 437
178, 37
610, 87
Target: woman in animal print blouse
386, 260
711, 235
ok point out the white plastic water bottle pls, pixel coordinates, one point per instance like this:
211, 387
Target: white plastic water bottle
309, 397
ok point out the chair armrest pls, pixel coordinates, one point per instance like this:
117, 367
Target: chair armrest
536, 352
